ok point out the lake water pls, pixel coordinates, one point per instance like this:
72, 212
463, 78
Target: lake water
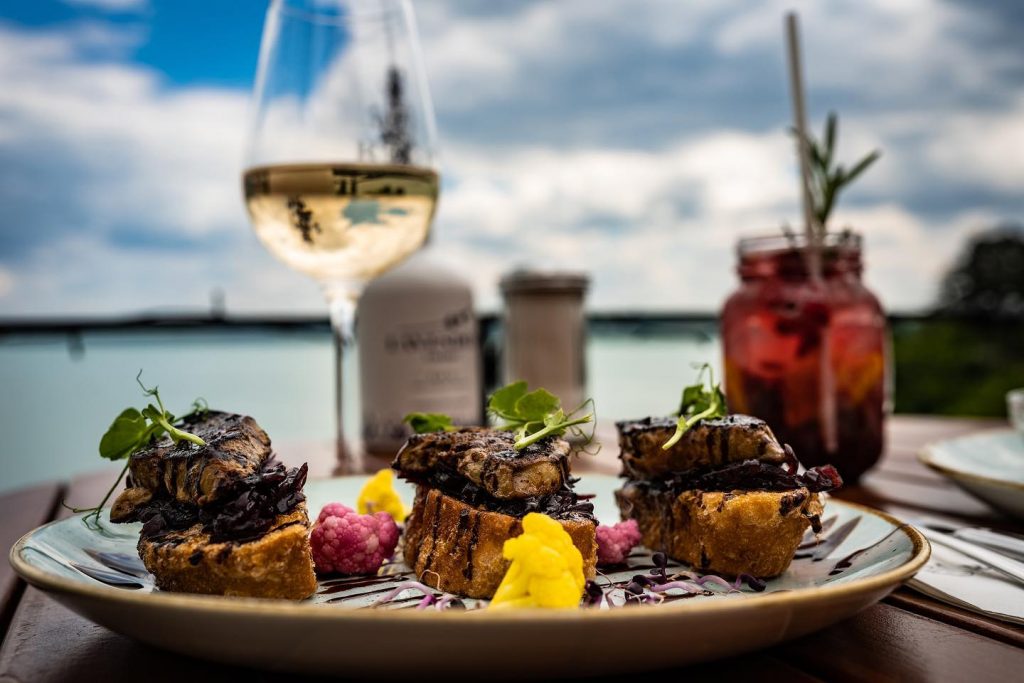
58, 398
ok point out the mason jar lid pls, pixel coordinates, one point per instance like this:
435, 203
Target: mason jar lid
843, 240
522, 281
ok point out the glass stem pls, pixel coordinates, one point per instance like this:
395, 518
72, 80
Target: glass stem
342, 304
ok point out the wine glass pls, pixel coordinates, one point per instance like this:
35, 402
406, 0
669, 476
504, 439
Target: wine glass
340, 181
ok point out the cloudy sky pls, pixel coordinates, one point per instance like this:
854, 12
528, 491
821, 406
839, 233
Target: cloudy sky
636, 139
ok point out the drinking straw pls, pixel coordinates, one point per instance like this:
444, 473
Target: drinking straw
796, 82
815, 233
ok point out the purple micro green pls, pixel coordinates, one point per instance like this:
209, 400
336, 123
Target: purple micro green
402, 587
687, 586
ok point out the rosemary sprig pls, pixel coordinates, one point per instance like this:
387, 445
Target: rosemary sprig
827, 180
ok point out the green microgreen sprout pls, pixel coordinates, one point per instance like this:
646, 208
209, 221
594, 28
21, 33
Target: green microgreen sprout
423, 423
534, 415
698, 403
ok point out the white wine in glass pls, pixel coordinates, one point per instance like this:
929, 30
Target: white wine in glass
341, 221
340, 182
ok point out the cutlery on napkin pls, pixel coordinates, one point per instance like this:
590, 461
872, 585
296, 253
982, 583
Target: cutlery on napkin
979, 577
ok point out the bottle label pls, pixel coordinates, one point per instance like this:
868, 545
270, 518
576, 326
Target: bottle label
427, 361
436, 340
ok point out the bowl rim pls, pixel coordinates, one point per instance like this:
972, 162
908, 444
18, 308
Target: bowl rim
927, 455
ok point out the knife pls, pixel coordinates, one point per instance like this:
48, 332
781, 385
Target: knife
1008, 544
1011, 546
1001, 563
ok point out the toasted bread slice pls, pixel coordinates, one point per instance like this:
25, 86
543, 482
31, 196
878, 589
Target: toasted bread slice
709, 443
275, 565
487, 458
729, 533
457, 548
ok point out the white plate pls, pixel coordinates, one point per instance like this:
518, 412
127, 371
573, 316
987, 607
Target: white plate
989, 466
347, 637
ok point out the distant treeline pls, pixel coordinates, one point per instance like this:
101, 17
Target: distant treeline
957, 366
963, 359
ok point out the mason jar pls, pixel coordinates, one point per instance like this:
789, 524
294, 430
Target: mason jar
809, 356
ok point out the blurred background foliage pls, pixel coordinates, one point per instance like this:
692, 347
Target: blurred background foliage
963, 358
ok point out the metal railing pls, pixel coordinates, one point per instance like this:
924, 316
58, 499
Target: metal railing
944, 364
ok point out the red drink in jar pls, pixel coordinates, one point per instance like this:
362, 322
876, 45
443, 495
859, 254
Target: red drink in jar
806, 356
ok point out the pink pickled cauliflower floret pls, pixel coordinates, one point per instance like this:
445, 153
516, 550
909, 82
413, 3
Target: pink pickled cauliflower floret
346, 542
614, 542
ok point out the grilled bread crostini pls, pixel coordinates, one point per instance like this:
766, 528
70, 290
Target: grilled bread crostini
275, 565
473, 490
753, 532
220, 518
457, 548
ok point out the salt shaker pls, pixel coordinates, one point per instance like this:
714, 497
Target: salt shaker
545, 332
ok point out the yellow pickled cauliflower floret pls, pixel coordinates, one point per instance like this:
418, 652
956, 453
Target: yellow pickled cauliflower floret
546, 569
379, 495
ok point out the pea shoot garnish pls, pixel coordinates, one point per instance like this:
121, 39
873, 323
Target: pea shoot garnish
423, 423
535, 414
698, 403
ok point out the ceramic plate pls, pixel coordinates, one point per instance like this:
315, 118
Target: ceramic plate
345, 630
989, 466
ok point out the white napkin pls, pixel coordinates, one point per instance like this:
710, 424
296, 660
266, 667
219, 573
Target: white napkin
961, 581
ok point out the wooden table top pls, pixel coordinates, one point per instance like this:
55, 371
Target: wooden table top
905, 637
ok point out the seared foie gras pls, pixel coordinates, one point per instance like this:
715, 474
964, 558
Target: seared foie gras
708, 443
486, 458
236, 447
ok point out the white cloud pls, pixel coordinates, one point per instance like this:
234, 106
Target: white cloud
496, 57
513, 191
161, 159
881, 48
983, 147
878, 49
130, 156
655, 225
552, 209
